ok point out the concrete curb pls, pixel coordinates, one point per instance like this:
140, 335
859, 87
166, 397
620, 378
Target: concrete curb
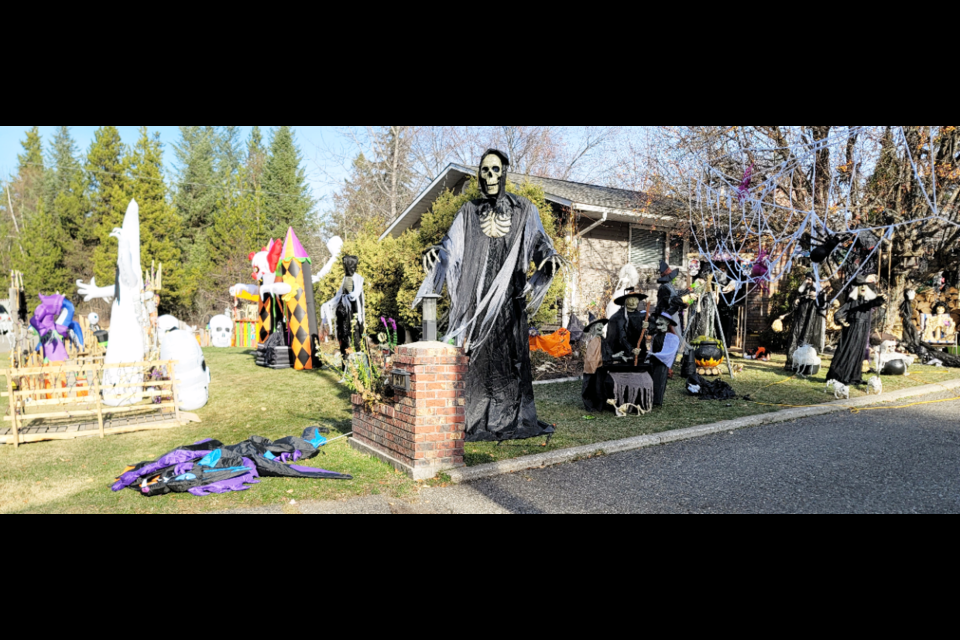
561, 380
541, 460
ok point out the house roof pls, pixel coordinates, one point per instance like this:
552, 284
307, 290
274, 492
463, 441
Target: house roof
590, 200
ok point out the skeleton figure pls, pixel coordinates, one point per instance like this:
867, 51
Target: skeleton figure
483, 263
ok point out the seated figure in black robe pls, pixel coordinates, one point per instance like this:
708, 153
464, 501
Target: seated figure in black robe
625, 329
856, 317
594, 391
484, 261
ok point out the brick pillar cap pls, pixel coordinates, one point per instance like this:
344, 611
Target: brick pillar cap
420, 347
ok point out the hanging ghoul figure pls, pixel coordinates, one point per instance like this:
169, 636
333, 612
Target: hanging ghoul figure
856, 317
484, 260
349, 303
809, 320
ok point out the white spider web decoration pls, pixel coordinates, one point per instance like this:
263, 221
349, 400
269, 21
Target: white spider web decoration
759, 225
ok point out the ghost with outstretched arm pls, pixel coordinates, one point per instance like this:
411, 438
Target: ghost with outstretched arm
128, 317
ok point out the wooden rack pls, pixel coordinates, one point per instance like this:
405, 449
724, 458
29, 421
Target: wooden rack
48, 402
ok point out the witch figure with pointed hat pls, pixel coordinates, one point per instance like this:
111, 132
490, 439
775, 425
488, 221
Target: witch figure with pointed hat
666, 345
856, 317
669, 299
626, 328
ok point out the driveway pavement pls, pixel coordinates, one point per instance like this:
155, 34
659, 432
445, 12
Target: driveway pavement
887, 461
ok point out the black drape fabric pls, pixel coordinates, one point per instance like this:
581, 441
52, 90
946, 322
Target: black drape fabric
660, 373
347, 336
911, 337
847, 366
809, 325
623, 334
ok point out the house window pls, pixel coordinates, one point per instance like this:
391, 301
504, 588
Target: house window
648, 248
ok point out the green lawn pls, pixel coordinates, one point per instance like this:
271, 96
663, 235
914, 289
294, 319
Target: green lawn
74, 476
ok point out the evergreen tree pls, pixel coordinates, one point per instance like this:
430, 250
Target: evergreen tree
42, 258
197, 191
287, 198
256, 158
160, 224
26, 187
66, 193
109, 195
234, 234
229, 154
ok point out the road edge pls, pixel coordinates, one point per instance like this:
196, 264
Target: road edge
540, 460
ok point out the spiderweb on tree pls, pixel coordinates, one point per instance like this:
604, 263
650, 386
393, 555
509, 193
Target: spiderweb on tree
757, 213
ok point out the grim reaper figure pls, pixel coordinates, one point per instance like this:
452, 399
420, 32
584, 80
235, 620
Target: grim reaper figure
484, 261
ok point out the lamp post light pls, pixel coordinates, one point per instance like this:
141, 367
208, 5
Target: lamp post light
430, 317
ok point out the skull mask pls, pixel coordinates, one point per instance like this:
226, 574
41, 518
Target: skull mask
632, 303
221, 331
663, 325
493, 170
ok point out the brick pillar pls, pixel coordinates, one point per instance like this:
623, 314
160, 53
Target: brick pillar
421, 431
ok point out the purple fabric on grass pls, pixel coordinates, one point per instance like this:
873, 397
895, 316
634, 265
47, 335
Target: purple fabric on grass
227, 486
170, 460
183, 468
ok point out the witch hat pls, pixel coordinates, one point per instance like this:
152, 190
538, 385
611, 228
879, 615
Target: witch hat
629, 293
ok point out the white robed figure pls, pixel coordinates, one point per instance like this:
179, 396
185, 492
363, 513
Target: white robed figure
129, 319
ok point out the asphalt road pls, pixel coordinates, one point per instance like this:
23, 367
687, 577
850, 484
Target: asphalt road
889, 461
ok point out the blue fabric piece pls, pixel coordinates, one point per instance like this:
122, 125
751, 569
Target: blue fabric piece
212, 459
185, 477
269, 456
314, 438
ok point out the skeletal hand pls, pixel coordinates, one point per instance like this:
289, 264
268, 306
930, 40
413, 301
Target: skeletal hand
431, 258
550, 266
637, 352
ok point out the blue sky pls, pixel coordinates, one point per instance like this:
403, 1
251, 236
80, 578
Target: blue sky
310, 139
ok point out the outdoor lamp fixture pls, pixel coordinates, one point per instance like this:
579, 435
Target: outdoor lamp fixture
430, 317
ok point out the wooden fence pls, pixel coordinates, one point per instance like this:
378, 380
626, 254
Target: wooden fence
62, 401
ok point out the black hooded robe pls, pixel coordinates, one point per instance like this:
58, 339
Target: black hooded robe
847, 366
624, 331
809, 325
486, 279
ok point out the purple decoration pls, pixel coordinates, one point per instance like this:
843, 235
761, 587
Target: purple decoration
745, 184
171, 459
44, 320
311, 470
227, 486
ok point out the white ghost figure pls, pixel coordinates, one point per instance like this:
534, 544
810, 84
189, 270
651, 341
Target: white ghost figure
221, 331
875, 385
191, 370
629, 278
165, 324
129, 319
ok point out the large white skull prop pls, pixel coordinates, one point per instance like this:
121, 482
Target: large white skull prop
221, 331
491, 170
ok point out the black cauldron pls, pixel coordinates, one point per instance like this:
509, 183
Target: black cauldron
708, 355
894, 368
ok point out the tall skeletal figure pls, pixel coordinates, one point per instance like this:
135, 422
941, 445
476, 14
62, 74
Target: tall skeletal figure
484, 260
